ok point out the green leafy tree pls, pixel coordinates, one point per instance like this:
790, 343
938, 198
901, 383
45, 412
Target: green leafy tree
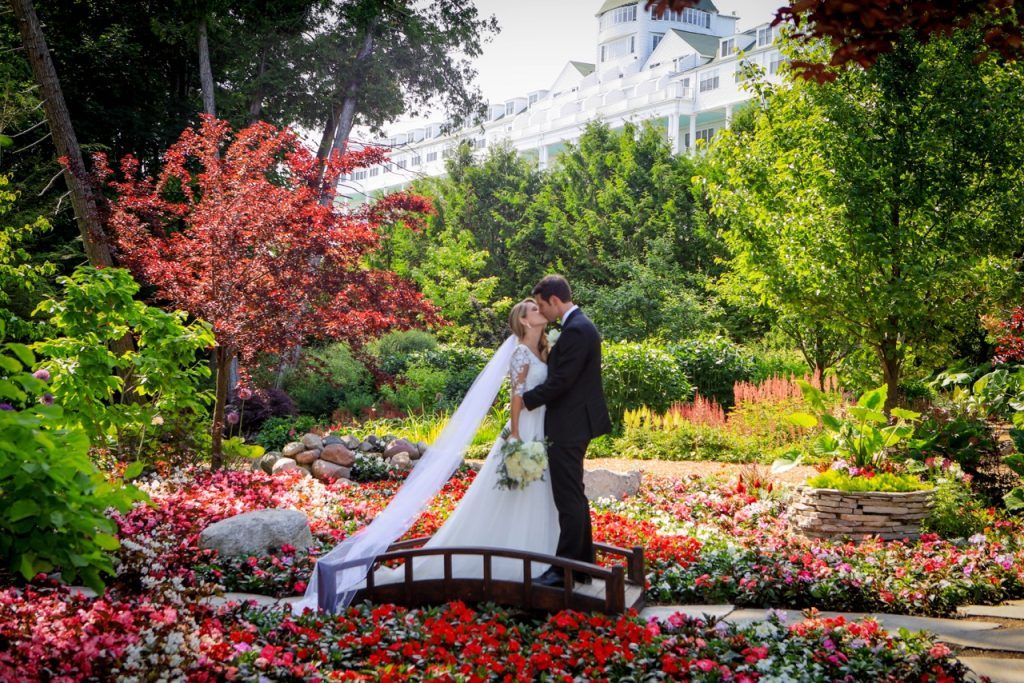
21, 277
886, 201
616, 216
116, 399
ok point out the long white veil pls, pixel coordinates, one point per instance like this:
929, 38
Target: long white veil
437, 465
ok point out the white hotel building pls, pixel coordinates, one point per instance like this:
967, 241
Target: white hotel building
680, 71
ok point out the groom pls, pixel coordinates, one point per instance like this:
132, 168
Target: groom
576, 414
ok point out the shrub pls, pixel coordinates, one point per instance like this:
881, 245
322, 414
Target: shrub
53, 511
265, 404
684, 442
369, 468
771, 362
713, 366
277, 431
158, 384
392, 351
641, 374
956, 512
328, 378
437, 379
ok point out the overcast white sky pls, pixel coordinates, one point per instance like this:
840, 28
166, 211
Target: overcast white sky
538, 37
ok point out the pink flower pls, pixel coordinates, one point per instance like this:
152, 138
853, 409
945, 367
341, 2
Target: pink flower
42, 374
46, 399
244, 393
232, 418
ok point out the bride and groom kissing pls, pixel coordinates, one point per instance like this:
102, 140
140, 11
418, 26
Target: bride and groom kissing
556, 397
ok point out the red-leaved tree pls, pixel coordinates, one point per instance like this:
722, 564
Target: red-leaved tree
233, 231
1010, 346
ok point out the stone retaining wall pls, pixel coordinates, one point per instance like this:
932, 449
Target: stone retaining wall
826, 513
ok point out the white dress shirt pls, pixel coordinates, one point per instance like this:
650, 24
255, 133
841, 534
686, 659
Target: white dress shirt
565, 316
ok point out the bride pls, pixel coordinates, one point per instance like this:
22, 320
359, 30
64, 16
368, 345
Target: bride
487, 516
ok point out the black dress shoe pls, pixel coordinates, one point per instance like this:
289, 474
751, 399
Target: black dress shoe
550, 578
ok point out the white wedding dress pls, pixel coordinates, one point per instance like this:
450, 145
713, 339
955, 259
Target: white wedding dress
491, 517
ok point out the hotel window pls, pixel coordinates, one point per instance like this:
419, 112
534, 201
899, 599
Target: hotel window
533, 99
401, 163
618, 48
696, 17
765, 36
655, 39
416, 161
728, 47
431, 156
705, 135
375, 171
479, 143
774, 63
620, 15
709, 80
359, 175
510, 108
741, 70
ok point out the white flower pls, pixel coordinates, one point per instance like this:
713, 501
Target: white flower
553, 335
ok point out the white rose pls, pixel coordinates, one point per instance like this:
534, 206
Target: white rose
553, 335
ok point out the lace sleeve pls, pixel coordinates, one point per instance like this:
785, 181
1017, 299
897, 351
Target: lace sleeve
518, 370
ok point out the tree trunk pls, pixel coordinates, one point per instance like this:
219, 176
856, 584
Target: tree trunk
83, 198
256, 104
889, 354
205, 71
222, 357
335, 134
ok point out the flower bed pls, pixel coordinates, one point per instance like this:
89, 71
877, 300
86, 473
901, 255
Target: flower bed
52, 635
705, 543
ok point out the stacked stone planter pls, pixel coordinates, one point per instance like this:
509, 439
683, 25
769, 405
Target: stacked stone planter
828, 513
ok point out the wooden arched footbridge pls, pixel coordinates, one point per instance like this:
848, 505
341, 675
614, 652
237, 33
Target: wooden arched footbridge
613, 588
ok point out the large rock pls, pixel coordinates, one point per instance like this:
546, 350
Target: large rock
328, 471
402, 462
350, 442
366, 447
338, 454
332, 439
312, 441
267, 460
284, 465
422, 447
253, 533
608, 484
292, 449
401, 446
307, 457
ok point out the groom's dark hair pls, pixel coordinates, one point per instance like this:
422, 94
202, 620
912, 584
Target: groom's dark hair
553, 285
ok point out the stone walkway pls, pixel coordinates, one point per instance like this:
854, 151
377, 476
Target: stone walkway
1000, 644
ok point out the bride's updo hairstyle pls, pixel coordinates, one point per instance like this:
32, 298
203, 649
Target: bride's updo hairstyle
517, 321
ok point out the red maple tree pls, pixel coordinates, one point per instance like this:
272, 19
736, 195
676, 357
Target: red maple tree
1010, 346
234, 230
860, 32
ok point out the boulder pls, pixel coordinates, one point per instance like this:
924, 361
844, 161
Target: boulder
366, 447
332, 439
284, 465
608, 484
312, 441
338, 454
350, 442
307, 457
267, 460
422, 447
401, 461
253, 533
292, 449
401, 446
328, 471
372, 440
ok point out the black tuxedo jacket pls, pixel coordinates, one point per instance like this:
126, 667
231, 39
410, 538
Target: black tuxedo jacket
573, 393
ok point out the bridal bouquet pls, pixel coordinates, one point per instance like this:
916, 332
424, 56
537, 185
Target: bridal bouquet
522, 462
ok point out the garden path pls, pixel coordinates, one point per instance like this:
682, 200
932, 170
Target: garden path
686, 468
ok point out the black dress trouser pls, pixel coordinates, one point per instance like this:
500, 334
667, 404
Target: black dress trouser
575, 540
